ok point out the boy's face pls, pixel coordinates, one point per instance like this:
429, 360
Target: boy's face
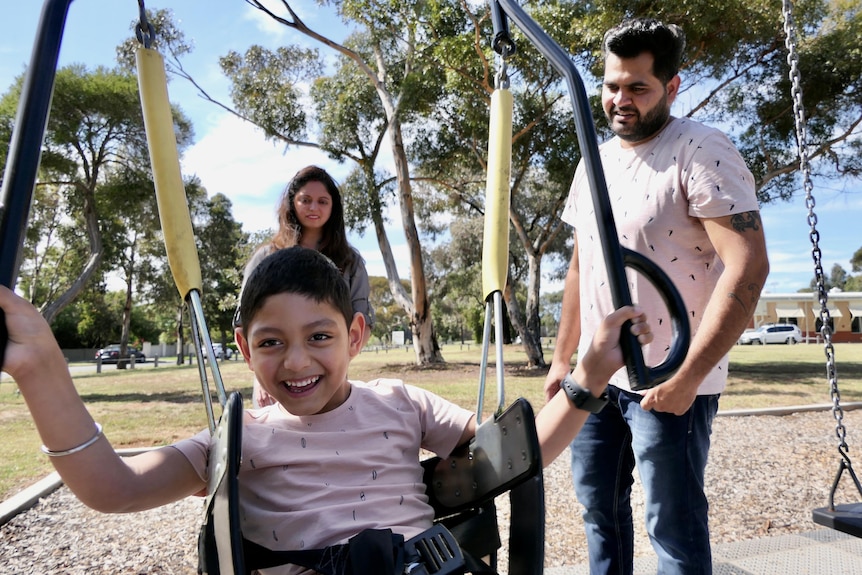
299, 351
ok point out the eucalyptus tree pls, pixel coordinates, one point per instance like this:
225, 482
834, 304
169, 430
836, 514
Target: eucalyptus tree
129, 222
385, 53
220, 245
389, 316
451, 155
455, 274
95, 131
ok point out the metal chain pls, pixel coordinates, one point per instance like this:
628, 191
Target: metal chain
144, 31
814, 235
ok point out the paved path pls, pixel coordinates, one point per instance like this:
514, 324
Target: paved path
818, 552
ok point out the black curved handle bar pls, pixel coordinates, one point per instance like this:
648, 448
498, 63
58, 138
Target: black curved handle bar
640, 376
25, 147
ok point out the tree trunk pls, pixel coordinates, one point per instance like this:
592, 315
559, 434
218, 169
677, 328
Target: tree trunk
127, 312
127, 322
94, 238
424, 339
532, 335
531, 343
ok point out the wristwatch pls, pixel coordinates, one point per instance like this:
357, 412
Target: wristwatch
582, 398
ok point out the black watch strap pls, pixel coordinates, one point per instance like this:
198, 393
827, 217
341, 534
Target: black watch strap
582, 398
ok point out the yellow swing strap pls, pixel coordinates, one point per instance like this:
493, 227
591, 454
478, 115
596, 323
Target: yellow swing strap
170, 192
174, 212
495, 240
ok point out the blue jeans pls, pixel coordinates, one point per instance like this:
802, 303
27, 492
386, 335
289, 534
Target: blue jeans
670, 452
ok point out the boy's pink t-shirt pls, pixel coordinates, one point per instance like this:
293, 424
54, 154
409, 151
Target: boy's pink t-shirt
311, 481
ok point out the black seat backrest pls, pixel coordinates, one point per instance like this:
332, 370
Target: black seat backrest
220, 538
504, 456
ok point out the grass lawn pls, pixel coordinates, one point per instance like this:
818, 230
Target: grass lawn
150, 407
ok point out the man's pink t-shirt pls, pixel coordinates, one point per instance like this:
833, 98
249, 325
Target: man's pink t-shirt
312, 481
659, 192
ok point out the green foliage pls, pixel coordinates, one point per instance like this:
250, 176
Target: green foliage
267, 87
93, 206
100, 317
169, 39
221, 245
552, 308
454, 274
856, 261
389, 316
349, 112
838, 278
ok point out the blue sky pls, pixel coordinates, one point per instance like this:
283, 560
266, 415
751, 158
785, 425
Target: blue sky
235, 159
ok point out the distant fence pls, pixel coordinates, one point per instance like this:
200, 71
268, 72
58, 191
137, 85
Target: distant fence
150, 350
76, 355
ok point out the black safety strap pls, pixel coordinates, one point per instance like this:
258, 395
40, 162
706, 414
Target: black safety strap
378, 551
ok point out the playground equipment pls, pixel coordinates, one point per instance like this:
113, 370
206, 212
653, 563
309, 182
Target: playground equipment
845, 517
503, 457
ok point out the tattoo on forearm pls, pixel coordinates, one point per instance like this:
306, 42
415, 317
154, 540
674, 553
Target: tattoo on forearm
746, 221
753, 295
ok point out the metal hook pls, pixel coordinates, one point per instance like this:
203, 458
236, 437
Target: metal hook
501, 80
144, 31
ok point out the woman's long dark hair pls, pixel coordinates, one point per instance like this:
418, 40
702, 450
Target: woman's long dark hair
334, 243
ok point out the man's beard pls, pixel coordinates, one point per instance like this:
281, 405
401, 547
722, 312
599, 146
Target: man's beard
644, 126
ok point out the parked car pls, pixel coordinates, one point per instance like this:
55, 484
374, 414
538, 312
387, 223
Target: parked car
221, 352
111, 354
772, 333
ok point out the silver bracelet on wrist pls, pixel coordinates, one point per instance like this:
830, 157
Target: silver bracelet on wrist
81, 447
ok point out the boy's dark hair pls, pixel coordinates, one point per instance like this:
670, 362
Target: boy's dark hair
666, 42
300, 271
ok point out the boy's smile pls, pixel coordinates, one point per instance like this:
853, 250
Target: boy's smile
299, 350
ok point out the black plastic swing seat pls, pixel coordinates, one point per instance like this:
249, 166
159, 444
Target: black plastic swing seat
846, 518
504, 456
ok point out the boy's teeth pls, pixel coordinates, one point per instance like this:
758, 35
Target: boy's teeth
303, 382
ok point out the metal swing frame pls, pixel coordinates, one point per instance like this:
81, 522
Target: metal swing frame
843, 517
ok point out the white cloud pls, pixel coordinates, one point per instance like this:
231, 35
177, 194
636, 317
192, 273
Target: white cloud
275, 31
276, 34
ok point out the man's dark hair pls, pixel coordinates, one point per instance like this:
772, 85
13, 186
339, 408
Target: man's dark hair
666, 42
300, 271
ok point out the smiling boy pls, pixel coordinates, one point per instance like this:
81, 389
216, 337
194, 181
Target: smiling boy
331, 458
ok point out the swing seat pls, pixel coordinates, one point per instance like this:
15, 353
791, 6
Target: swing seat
504, 456
846, 518
220, 543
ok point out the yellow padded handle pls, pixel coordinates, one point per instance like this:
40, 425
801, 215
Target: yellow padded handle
495, 244
170, 192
